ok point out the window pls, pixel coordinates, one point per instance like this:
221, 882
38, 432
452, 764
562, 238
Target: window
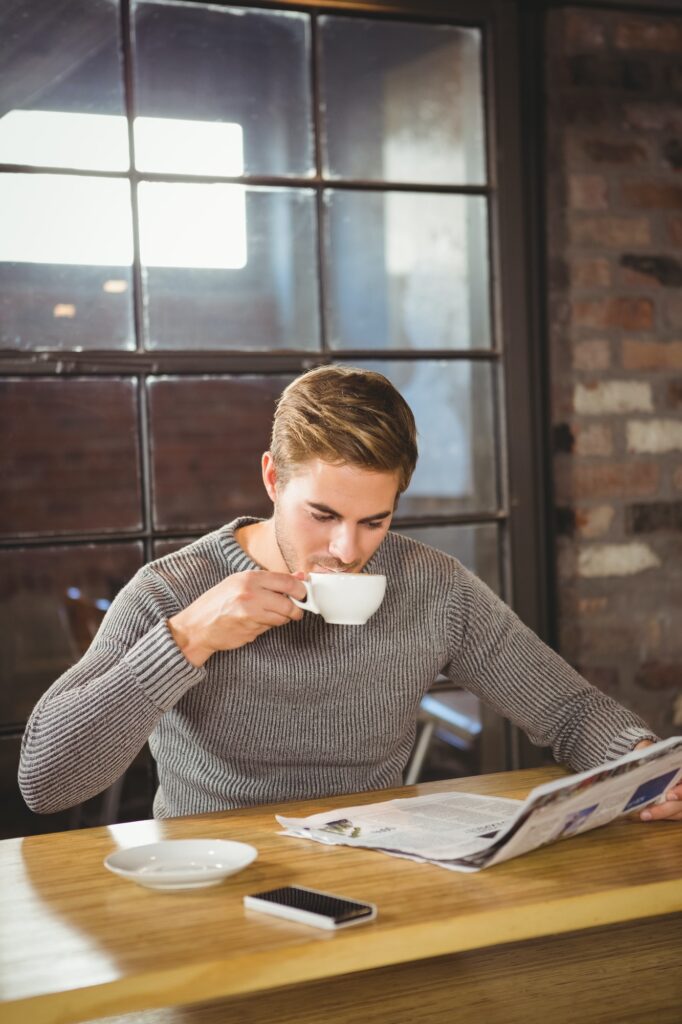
201, 200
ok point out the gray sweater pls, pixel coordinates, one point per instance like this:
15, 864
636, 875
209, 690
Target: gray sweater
307, 709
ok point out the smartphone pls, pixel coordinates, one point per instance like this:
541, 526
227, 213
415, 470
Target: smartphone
309, 906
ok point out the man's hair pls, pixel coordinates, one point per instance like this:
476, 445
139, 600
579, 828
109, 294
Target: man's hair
344, 415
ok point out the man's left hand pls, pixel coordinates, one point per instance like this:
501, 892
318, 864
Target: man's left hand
671, 808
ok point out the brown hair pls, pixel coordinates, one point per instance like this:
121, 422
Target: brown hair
340, 415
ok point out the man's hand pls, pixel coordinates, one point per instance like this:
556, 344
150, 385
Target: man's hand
235, 612
671, 808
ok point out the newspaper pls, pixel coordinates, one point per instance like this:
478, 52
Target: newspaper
467, 832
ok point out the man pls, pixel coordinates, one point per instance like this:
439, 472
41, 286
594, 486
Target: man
247, 699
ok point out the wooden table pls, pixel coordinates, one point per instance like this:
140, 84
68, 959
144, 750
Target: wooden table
588, 929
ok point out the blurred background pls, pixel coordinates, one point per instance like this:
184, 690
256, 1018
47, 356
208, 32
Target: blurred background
198, 201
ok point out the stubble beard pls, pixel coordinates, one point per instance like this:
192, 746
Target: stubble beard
290, 557
286, 549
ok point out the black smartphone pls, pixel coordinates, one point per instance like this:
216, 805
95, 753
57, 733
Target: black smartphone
310, 906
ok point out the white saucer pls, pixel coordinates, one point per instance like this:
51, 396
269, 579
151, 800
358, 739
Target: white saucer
181, 863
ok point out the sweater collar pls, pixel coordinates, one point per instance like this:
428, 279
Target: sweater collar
237, 558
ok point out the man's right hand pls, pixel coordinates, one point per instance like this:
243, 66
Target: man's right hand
235, 612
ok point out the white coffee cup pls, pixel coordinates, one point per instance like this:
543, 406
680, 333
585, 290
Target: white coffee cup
343, 599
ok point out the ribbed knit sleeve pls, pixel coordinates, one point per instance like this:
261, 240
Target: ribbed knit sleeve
92, 722
308, 709
497, 657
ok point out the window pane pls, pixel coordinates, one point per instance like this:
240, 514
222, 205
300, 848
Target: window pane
66, 250
69, 460
222, 91
229, 267
167, 545
208, 436
452, 403
407, 270
61, 96
475, 547
16, 819
412, 107
51, 603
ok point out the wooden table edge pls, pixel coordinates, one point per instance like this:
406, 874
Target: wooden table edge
346, 953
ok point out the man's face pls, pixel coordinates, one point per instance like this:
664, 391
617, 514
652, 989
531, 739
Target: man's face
330, 518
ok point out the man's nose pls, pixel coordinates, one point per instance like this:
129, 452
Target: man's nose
343, 544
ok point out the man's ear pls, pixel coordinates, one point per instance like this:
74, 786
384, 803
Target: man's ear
269, 474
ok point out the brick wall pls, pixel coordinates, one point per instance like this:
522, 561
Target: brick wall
614, 202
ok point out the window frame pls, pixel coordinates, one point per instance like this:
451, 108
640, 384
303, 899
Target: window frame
521, 456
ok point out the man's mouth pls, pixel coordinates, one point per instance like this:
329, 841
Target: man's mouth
323, 567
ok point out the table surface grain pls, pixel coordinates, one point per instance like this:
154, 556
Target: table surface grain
77, 942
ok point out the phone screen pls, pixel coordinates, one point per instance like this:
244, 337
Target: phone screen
324, 904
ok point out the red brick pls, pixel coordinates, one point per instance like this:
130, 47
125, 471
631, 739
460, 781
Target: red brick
655, 676
611, 232
590, 273
601, 151
651, 355
591, 355
587, 108
569, 603
647, 34
577, 480
675, 230
567, 570
671, 149
562, 399
672, 311
593, 439
652, 195
592, 605
650, 270
653, 634
629, 314
650, 117
582, 32
593, 521
674, 394
587, 192
586, 639
596, 73
634, 279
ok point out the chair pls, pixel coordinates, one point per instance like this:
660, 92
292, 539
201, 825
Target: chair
452, 715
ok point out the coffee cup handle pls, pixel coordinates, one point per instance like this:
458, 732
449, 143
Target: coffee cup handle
309, 604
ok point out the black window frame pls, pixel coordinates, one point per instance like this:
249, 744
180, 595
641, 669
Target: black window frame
522, 461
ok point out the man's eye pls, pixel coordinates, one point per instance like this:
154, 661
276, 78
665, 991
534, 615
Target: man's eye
321, 517
376, 526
